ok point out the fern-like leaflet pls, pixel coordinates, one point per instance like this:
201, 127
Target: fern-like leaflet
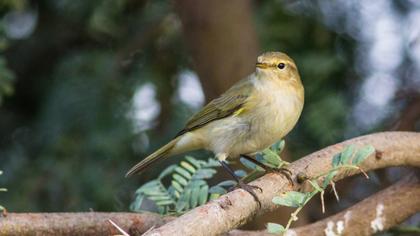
187, 189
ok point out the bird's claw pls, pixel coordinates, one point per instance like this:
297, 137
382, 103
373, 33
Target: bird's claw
250, 189
283, 171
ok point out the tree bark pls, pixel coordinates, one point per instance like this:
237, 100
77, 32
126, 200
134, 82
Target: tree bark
381, 211
222, 39
86, 223
238, 207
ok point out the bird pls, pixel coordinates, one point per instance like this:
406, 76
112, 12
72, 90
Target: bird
254, 113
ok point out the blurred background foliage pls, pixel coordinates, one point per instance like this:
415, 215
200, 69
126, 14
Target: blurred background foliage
88, 88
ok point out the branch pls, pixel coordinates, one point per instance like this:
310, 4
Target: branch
399, 198
88, 223
380, 211
238, 207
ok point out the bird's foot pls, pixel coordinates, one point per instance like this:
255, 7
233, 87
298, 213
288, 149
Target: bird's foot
283, 171
250, 189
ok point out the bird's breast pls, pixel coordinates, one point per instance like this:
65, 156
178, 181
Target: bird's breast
276, 113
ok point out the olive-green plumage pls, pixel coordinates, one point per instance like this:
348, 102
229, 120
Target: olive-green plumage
250, 116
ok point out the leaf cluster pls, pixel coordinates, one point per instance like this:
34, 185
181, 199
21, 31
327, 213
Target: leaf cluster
188, 187
349, 158
269, 157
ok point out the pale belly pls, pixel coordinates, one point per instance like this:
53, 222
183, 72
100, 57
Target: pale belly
249, 133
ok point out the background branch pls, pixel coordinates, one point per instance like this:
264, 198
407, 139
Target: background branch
85, 223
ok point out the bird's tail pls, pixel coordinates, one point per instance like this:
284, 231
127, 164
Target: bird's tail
162, 152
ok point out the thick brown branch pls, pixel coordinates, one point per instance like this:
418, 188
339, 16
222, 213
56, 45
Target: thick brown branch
88, 223
381, 211
237, 207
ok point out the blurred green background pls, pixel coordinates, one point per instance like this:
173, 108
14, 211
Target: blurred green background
88, 88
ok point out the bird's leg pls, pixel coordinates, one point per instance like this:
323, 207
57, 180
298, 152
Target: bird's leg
241, 183
284, 171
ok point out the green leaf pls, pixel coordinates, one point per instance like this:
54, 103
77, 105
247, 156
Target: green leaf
182, 203
362, 154
198, 182
193, 161
149, 187
152, 192
336, 160
177, 186
274, 228
315, 185
188, 166
180, 179
290, 199
167, 171
214, 196
247, 164
159, 197
195, 192
180, 206
328, 178
278, 146
281, 146
136, 205
271, 157
217, 189
212, 163
164, 202
204, 193
259, 157
227, 183
204, 173
176, 194
183, 172
240, 173
346, 154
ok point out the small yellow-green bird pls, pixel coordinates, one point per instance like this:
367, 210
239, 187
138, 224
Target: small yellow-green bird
249, 117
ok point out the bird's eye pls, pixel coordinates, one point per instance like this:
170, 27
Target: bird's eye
281, 66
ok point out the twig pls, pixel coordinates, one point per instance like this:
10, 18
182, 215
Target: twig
118, 227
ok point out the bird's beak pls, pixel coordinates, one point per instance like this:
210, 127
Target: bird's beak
262, 65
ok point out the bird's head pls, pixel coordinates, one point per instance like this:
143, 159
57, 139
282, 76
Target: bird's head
277, 66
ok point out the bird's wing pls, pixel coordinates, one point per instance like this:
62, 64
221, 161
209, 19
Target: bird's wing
231, 102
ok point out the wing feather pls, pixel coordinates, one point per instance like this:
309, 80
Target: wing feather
224, 106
